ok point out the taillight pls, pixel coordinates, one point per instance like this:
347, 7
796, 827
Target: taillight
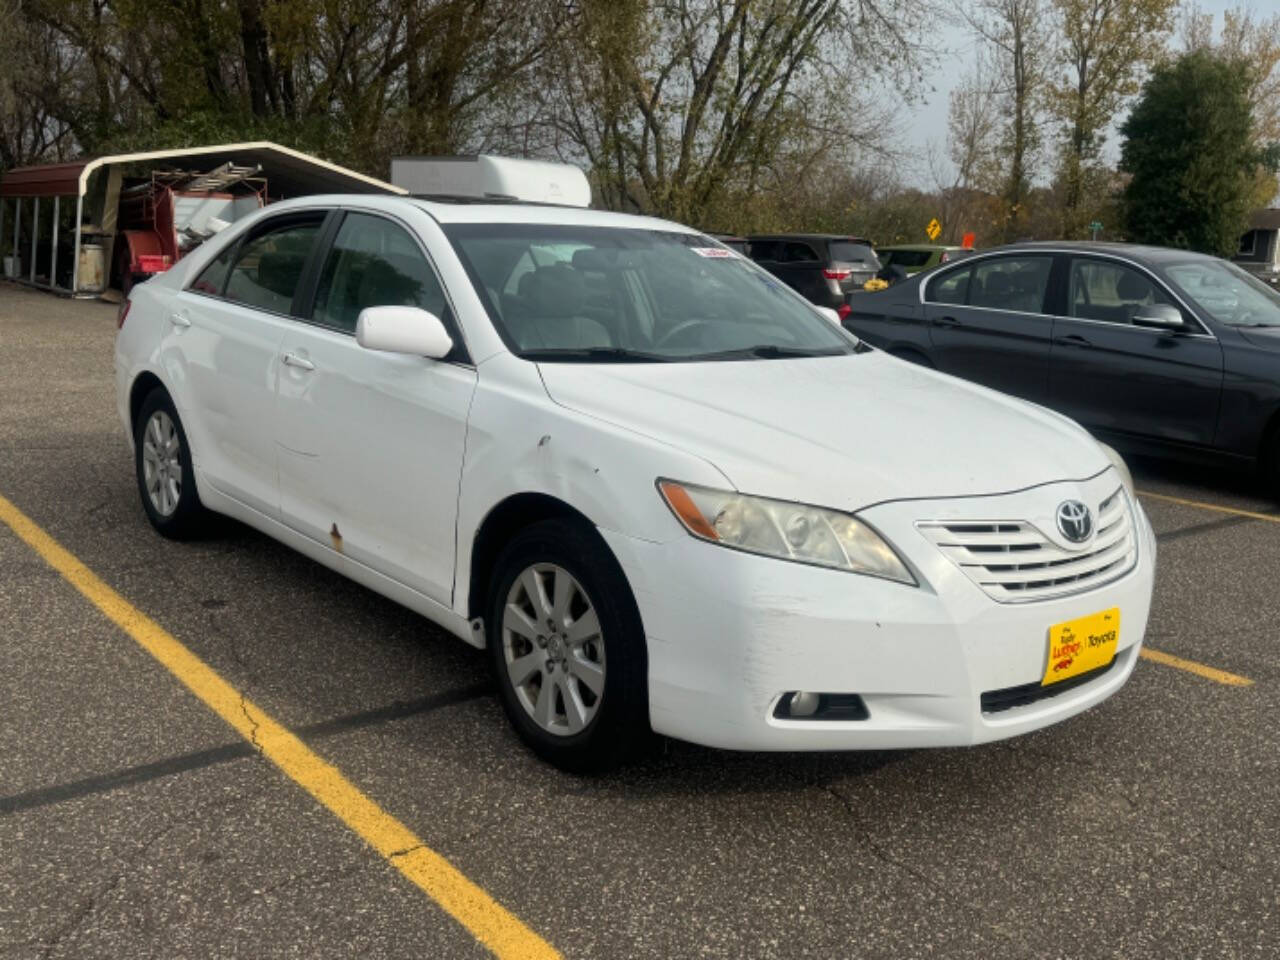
124, 312
836, 274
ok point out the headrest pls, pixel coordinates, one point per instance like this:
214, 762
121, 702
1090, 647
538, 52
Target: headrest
554, 291
1131, 286
999, 284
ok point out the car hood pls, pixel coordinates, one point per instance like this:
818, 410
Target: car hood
843, 432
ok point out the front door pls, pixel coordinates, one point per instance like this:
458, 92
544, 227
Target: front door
987, 323
1112, 375
371, 444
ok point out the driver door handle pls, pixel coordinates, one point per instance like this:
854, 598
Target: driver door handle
179, 319
1072, 340
293, 360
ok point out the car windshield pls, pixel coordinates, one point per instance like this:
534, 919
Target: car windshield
609, 295
1227, 293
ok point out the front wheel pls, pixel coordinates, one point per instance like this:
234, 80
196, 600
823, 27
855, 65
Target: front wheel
567, 648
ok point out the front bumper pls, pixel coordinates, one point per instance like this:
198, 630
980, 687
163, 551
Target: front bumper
729, 633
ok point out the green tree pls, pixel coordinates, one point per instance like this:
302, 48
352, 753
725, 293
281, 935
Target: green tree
1190, 151
1106, 45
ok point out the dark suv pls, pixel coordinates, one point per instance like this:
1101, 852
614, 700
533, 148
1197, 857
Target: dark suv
823, 267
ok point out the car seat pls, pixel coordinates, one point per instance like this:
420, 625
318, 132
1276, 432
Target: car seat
550, 313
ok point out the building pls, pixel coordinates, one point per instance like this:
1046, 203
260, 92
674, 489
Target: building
82, 226
1259, 251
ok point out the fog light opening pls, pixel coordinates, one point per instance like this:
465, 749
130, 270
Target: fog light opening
809, 705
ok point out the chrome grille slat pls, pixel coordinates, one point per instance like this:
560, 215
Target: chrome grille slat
1013, 561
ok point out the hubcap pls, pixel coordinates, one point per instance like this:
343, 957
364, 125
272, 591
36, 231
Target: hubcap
161, 463
553, 649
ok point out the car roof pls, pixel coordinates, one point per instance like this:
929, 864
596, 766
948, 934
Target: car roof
463, 210
846, 237
922, 247
1134, 251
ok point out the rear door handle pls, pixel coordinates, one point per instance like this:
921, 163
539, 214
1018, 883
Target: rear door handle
947, 322
180, 319
1072, 340
293, 360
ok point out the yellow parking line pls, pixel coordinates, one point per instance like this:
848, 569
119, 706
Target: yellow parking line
1199, 669
484, 918
1269, 517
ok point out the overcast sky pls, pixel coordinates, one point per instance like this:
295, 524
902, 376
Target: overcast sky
928, 120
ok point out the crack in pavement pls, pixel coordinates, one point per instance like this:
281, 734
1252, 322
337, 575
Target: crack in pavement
253, 723
998, 928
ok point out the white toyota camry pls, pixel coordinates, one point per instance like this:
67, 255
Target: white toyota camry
659, 488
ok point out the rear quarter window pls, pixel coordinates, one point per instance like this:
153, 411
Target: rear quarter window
951, 287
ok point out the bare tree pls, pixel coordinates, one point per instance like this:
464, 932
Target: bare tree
1016, 32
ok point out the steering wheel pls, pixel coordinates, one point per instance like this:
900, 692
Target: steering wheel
1243, 318
681, 327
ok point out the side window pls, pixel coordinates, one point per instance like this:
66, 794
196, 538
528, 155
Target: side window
373, 263
793, 252
765, 250
1109, 291
214, 276
950, 287
269, 266
1011, 283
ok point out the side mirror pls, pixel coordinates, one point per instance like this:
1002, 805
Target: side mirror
1160, 316
403, 330
830, 314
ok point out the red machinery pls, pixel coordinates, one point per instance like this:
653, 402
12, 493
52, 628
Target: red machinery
162, 219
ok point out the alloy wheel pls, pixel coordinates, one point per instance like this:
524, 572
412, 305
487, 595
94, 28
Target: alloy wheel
162, 463
553, 649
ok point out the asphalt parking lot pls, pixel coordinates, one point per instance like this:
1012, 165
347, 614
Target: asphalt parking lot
135, 821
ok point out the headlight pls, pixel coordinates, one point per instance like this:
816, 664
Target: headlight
1117, 461
788, 531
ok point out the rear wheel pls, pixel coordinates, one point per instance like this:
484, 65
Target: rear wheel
567, 648
166, 480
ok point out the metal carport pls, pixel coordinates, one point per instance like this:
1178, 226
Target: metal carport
95, 186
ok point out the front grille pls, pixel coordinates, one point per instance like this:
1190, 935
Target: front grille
994, 701
1014, 562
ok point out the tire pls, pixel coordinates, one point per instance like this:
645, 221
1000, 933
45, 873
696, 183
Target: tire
166, 480
601, 730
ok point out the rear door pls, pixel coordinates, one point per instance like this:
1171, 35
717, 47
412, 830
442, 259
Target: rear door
221, 344
988, 322
1112, 375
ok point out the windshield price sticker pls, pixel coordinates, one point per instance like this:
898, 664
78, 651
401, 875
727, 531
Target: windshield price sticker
713, 253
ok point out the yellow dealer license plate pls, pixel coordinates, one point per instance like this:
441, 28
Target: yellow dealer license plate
1078, 646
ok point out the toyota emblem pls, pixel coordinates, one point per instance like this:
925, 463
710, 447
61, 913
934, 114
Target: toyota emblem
1075, 521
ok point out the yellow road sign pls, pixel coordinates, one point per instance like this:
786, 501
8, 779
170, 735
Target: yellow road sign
934, 229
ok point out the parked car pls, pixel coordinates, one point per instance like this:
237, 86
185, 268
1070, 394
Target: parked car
1158, 351
913, 258
618, 458
822, 267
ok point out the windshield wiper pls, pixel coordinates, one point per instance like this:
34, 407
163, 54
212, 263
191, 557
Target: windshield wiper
593, 355
768, 351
